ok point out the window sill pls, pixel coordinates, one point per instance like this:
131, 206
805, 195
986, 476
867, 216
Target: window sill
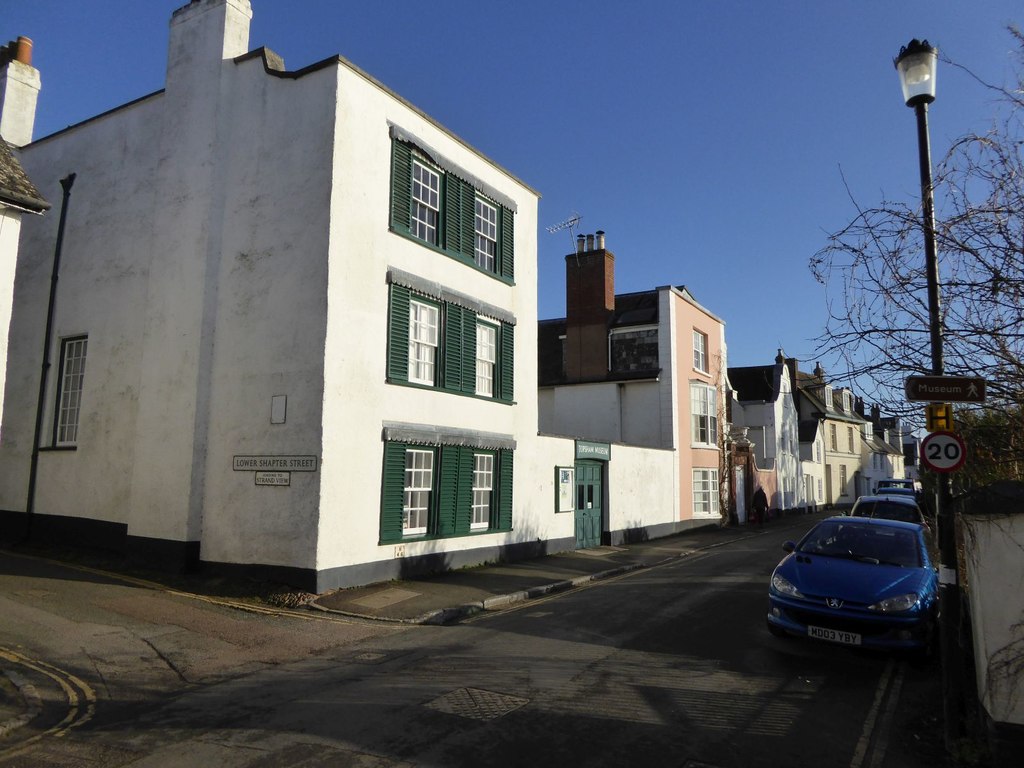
453, 255
58, 448
442, 390
414, 538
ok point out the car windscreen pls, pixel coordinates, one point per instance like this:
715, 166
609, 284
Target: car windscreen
904, 512
868, 544
887, 510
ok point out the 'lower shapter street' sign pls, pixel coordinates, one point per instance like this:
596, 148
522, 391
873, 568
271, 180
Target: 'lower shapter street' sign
274, 463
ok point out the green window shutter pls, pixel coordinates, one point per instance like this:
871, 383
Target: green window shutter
452, 208
448, 490
398, 335
459, 349
453, 343
468, 352
506, 255
504, 490
455, 495
459, 217
506, 359
467, 222
401, 186
464, 498
392, 496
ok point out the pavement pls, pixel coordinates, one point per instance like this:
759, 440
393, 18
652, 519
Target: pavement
451, 596
448, 597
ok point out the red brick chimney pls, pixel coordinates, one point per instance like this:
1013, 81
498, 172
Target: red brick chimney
589, 303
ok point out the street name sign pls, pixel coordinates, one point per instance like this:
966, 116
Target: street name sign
273, 478
945, 389
943, 451
274, 463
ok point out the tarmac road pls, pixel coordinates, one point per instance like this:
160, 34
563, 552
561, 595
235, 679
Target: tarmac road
79, 645
649, 664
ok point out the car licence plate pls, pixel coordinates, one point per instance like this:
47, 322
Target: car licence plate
834, 635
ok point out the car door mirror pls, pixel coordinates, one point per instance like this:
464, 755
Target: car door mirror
788, 546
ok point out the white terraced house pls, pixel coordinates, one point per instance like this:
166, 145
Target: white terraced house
295, 333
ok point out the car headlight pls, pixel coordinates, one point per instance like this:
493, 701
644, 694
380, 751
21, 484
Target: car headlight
897, 604
783, 586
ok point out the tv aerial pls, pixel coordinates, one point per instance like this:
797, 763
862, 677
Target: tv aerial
569, 224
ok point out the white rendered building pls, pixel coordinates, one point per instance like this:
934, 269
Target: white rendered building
231, 376
766, 406
19, 87
295, 334
642, 369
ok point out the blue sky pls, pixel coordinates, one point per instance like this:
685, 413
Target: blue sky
708, 139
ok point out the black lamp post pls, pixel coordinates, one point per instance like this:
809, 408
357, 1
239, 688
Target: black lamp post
916, 65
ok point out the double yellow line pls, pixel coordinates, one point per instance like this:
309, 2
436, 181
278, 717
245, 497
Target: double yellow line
80, 696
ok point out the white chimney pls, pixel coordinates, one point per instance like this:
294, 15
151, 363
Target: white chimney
19, 90
204, 34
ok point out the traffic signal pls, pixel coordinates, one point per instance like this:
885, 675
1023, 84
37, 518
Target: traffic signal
938, 417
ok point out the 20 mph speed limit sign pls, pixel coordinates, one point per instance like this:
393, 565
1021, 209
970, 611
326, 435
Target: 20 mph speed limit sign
943, 451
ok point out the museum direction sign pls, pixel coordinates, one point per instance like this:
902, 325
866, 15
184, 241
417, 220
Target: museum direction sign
945, 389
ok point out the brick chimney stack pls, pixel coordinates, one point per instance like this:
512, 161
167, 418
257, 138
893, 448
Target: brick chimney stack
589, 304
19, 90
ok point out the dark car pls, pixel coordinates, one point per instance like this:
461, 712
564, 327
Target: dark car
896, 490
857, 581
891, 506
906, 493
894, 482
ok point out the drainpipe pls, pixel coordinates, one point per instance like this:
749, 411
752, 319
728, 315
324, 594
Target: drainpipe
65, 184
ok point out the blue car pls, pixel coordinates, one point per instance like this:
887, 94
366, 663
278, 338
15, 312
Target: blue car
864, 582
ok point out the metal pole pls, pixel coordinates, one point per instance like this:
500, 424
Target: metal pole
65, 184
949, 588
931, 260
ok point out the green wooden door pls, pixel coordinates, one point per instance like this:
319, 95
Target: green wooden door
588, 504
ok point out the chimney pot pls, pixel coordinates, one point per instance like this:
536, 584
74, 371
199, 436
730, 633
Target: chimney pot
23, 50
590, 242
580, 239
600, 239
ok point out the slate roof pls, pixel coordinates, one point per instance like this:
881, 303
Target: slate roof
635, 309
631, 309
15, 186
880, 446
753, 383
549, 351
808, 430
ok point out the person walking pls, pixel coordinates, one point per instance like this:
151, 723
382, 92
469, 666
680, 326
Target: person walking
760, 505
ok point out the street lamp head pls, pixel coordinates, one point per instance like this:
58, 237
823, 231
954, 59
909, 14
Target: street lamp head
916, 66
